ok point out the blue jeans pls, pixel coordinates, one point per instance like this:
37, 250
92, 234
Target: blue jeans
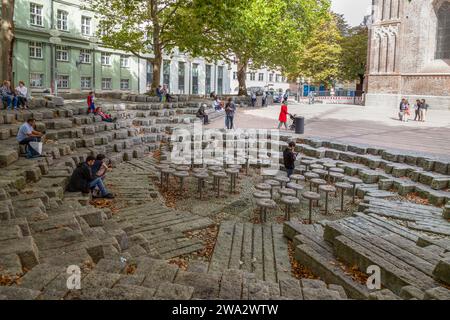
29, 150
290, 172
98, 182
10, 101
229, 122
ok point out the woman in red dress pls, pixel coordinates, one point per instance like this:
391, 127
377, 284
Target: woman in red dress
283, 115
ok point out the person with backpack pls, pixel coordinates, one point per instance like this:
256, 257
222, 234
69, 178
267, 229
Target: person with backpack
289, 158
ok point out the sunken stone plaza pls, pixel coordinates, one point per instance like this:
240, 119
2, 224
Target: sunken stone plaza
231, 227
186, 209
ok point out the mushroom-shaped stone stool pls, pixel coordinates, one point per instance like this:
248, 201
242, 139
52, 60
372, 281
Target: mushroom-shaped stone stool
201, 177
315, 184
300, 169
183, 168
165, 175
296, 187
309, 176
335, 177
268, 174
263, 187
233, 176
217, 176
311, 196
322, 173
343, 186
181, 175
289, 201
354, 181
297, 177
282, 180
327, 189
261, 195
315, 166
306, 163
285, 192
273, 184
264, 205
160, 167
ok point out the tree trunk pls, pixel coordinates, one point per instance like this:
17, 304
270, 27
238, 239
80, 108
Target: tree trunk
157, 49
7, 40
242, 77
360, 86
156, 63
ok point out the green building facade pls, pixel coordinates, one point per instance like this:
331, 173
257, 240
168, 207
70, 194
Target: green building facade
55, 49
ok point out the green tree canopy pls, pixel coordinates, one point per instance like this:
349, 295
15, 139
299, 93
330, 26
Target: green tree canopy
320, 59
354, 54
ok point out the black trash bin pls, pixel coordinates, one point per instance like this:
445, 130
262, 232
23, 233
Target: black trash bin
299, 125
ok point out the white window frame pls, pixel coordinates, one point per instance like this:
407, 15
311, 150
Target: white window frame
62, 53
61, 20
85, 80
106, 59
63, 79
36, 18
106, 81
124, 61
260, 77
127, 81
33, 79
86, 27
35, 48
252, 76
86, 56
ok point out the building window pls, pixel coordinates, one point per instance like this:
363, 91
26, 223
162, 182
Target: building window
85, 83
124, 84
271, 77
35, 50
208, 77
195, 78
62, 53
85, 56
261, 77
106, 59
181, 78
62, 81
106, 83
278, 78
36, 15
166, 73
36, 80
61, 20
85, 26
124, 61
220, 80
234, 75
443, 32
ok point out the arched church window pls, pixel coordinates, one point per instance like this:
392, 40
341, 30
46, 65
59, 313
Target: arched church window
443, 32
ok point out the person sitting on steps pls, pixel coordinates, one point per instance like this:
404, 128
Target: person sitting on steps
82, 180
201, 114
28, 134
105, 117
101, 167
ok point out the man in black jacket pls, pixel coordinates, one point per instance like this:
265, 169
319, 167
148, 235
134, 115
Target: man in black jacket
289, 158
82, 180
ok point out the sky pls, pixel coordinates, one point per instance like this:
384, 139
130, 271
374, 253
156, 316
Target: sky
353, 10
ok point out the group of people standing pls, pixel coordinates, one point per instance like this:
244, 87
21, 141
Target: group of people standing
420, 110
17, 98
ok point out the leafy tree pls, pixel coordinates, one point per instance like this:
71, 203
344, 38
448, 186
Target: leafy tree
354, 55
259, 33
145, 27
320, 59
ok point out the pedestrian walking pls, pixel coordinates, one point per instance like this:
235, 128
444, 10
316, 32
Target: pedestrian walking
283, 115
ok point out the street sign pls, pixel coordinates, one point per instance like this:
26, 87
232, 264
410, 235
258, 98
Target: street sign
55, 40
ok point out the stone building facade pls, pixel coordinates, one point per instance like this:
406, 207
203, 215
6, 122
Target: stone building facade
409, 53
